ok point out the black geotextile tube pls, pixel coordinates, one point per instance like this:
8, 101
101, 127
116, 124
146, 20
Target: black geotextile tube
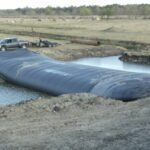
36, 71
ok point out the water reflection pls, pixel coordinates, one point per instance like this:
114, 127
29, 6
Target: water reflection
11, 94
113, 62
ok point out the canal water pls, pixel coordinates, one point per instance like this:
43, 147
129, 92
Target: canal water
11, 94
113, 62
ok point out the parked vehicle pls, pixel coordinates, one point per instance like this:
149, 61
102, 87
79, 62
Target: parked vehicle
12, 43
44, 43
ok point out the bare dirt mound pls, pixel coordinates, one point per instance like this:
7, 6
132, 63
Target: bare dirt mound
78, 121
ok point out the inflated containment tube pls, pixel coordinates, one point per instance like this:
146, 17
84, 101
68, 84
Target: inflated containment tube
36, 71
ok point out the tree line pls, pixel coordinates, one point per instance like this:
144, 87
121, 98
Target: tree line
109, 10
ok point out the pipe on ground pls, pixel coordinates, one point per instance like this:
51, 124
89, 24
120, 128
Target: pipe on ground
86, 42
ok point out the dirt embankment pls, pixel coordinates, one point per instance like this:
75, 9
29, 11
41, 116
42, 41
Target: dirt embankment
70, 51
73, 122
136, 57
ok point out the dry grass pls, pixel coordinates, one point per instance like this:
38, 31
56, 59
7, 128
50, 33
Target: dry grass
130, 30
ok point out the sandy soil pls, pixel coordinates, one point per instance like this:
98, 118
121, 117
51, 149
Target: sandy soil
73, 122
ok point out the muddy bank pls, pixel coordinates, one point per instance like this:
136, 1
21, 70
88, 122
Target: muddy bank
79, 121
70, 51
136, 57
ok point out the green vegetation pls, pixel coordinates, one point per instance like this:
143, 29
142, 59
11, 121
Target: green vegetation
109, 10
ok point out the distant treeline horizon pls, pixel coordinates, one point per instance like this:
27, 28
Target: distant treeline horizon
109, 10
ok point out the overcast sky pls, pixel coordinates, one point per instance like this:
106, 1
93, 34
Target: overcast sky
7, 4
